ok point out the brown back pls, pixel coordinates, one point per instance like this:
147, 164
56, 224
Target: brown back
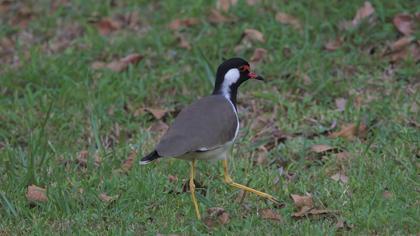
207, 123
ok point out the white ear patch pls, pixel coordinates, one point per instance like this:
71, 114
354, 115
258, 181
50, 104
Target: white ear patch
231, 77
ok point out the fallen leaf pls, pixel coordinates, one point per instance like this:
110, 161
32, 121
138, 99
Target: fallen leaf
224, 5
333, 45
216, 17
216, 216
158, 113
98, 160
23, 16
402, 49
269, 214
183, 42
302, 201
341, 224
5, 5
252, 2
321, 148
179, 23
82, 158
262, 158
387, 194
108, 25
402, 43
172, 178
307, 211
105, 198
340, 177
36, 194
362, 13
287, 19
159, 127
343, 156
259, 55
340, 103
254, 35
302, 211
224, 218
120, 64
404, 23
365, 11
350, 132
128, 163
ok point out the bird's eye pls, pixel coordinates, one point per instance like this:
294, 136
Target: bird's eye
244, 68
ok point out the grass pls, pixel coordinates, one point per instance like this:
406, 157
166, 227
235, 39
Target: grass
54, 106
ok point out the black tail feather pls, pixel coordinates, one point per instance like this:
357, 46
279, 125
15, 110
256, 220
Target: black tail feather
149, 158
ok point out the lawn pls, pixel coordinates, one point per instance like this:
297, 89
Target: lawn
88, 87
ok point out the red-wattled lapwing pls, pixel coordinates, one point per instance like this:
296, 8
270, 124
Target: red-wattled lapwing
207, 128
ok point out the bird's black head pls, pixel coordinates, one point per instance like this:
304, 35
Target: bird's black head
230, 75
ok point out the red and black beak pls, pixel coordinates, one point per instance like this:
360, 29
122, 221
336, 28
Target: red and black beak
252, 75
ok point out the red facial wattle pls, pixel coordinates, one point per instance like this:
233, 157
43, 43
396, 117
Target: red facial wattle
252, 75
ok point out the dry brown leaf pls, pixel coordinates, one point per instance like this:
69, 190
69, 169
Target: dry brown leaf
179, 23
341, 224
287, 19
158, 113
82, 158
183, 42
340, 177
123, 63
262, 158
302, 201
98, 160
172, 178
343, 156
216, 216
120, 64
321, 148
4, 6
362, 13
23, 16
387, 194
224, 5
302, 211
252, 2
159, 127
36, 194
254, 35
105, 198
350, 132
307, 211
340, 103
404, 23
216, 17
259, 55
108, 25
404, 48
365, 11
333, 45
224, 218
128, 163
269, 214
402, 43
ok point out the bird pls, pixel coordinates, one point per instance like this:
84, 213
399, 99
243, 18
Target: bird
207, 128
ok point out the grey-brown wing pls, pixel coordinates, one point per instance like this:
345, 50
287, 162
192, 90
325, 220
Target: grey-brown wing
206, 124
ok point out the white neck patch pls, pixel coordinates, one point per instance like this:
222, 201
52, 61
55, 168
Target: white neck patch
231, 77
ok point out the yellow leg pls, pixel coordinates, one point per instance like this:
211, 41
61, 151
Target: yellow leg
229, 181
192, 189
